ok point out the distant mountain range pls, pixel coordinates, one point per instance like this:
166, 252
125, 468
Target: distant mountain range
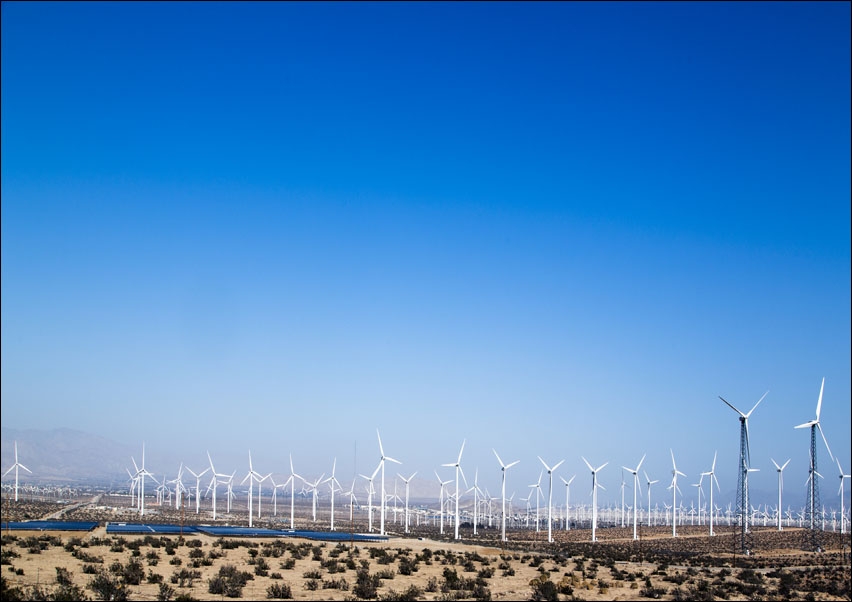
64, 455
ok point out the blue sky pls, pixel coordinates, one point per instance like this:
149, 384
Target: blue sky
552, 229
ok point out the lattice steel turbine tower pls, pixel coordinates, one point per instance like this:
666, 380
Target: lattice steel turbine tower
742, 477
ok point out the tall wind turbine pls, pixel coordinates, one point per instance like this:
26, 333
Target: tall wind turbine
141, 473
635, 473
503, 469
197, 486
458, 468
813, 503
550, 495
407, 481
649, 482
441, 499
332, 480
251, 477
780, 470
595, 486
712, 474
292, 481
842, 498
18, 465
382, 465
675, 489
370, 496
567, 499
742, 474
214, 482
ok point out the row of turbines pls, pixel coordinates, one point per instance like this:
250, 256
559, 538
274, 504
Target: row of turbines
745, 513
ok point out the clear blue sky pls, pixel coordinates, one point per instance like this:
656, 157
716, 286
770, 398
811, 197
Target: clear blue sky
552, 229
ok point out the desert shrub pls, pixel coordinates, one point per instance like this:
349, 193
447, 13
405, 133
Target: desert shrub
185, 577
339, 584
107, 587
432, 585
279, 591
154, 577
543, 589
261, 568
229, 582
311, 585
412, 593
166, 592
386, 574
649, 591
288, 564
312, 574
365, 585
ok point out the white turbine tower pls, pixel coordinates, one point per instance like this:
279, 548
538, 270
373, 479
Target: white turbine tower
780, 470
382, 459
406, 481
141, 473
675, 489
503, 469
567, 498
370, 496
538, 494
18, 465
712, 474
251, 477
214, 482
595, 486
458, 468
332, 480
649, 482
441, 500
550, 495
635, 492
197, 486
314, 489
842, 495
292, 481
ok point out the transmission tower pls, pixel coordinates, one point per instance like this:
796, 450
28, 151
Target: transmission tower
813, 533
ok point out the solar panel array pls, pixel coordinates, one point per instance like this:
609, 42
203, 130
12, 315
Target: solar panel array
223, 531
49, 525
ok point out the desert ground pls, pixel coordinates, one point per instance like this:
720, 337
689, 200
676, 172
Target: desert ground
423, 565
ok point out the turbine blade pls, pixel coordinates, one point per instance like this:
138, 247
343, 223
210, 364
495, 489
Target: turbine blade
381, 449
602, 465
785, 464
757, 404
587, 464
825, 440
461, 451
557, 465
640, 463
730, 406
819, 401
546, 467
498, 458
508, 466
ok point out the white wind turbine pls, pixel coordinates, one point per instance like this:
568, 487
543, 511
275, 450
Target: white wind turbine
18, 465
842, 497
179, 488
567, 498
292, 481
675, 489
635, 491
538, 494
406, 481
216, 480
352, 500
441, 499
780, 470
550, 495
370, 496
813, 487
649, 482
595, 486
141, 473
712, 474
458, 468
503, 469
197, 486
332, 480
382, 459
251, 477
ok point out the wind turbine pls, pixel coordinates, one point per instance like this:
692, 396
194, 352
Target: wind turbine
567, 498
550, 495
649, 482
314, 489
712, 474
742, 475
141, 473
595, 486
406, 481
674, 489
382, 465
635, 491
458, 468
813, 487
842, 497
503, 469
197, 486
370, 496
292, 481
18, 465
537, 488
252, 476
441, 499
780, 470
332, 480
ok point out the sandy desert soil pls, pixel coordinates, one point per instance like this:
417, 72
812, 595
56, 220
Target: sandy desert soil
692, 566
